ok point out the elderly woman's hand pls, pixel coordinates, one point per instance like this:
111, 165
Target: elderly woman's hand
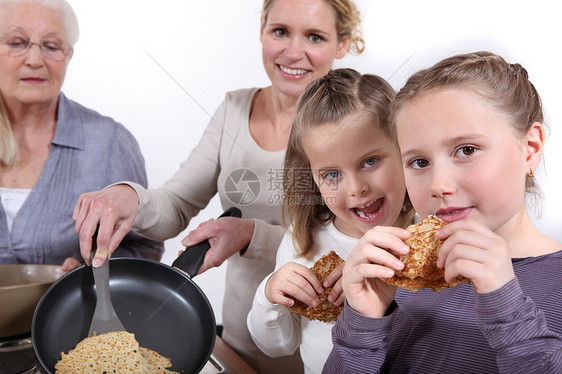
226, 235
70, 263
114, 210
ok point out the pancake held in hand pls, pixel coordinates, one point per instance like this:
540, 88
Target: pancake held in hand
324, 310
113, 352
420, 265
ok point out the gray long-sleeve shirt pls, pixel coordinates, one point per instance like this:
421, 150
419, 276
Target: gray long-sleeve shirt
516, 329
88, 152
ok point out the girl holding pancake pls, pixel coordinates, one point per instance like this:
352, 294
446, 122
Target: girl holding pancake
342, 177
243, 145
471, 136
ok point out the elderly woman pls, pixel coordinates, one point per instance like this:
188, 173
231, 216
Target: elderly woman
51, 148
241, 152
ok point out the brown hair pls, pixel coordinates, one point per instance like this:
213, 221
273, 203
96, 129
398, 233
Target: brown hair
503, 85
348, 19
328, 101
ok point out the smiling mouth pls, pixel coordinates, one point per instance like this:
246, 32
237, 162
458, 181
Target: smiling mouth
369, 211
290, 71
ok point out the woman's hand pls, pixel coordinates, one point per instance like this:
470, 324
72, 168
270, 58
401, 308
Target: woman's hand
369, 261
114, 210
295, 280
334, 280
475, 252
227, 236
70, 263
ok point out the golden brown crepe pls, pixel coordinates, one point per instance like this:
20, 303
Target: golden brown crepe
420, 265
113, 352
324, 310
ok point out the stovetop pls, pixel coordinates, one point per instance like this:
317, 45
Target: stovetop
18, 357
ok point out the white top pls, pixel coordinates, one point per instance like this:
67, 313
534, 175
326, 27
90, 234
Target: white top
278, 332
12, 200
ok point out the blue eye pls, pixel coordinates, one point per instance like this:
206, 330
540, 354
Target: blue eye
372, 161
331, 175
280, 33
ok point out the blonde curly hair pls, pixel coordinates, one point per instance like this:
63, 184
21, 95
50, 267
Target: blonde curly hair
348, 20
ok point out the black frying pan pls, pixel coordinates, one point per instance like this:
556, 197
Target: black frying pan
161, 305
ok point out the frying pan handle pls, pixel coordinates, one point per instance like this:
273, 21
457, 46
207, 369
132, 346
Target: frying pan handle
191, 260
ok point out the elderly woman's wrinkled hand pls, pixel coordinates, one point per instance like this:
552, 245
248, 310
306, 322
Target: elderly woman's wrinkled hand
70, 263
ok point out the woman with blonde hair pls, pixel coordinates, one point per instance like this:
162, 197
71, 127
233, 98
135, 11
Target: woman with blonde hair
242, 148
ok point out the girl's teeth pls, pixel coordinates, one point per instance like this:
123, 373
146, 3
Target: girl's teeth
363, 215
364, 206
293, 71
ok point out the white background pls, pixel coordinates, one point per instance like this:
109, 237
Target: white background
162, 67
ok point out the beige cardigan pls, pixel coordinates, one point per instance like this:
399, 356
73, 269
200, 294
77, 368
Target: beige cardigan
227, 160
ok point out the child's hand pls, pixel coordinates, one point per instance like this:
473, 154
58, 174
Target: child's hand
475, 252
369, 261
336, 295
294, 280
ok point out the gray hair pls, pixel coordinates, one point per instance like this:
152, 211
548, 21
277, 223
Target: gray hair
8, 147
68, 16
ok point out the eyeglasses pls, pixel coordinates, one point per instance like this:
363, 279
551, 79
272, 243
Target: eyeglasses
13, 45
